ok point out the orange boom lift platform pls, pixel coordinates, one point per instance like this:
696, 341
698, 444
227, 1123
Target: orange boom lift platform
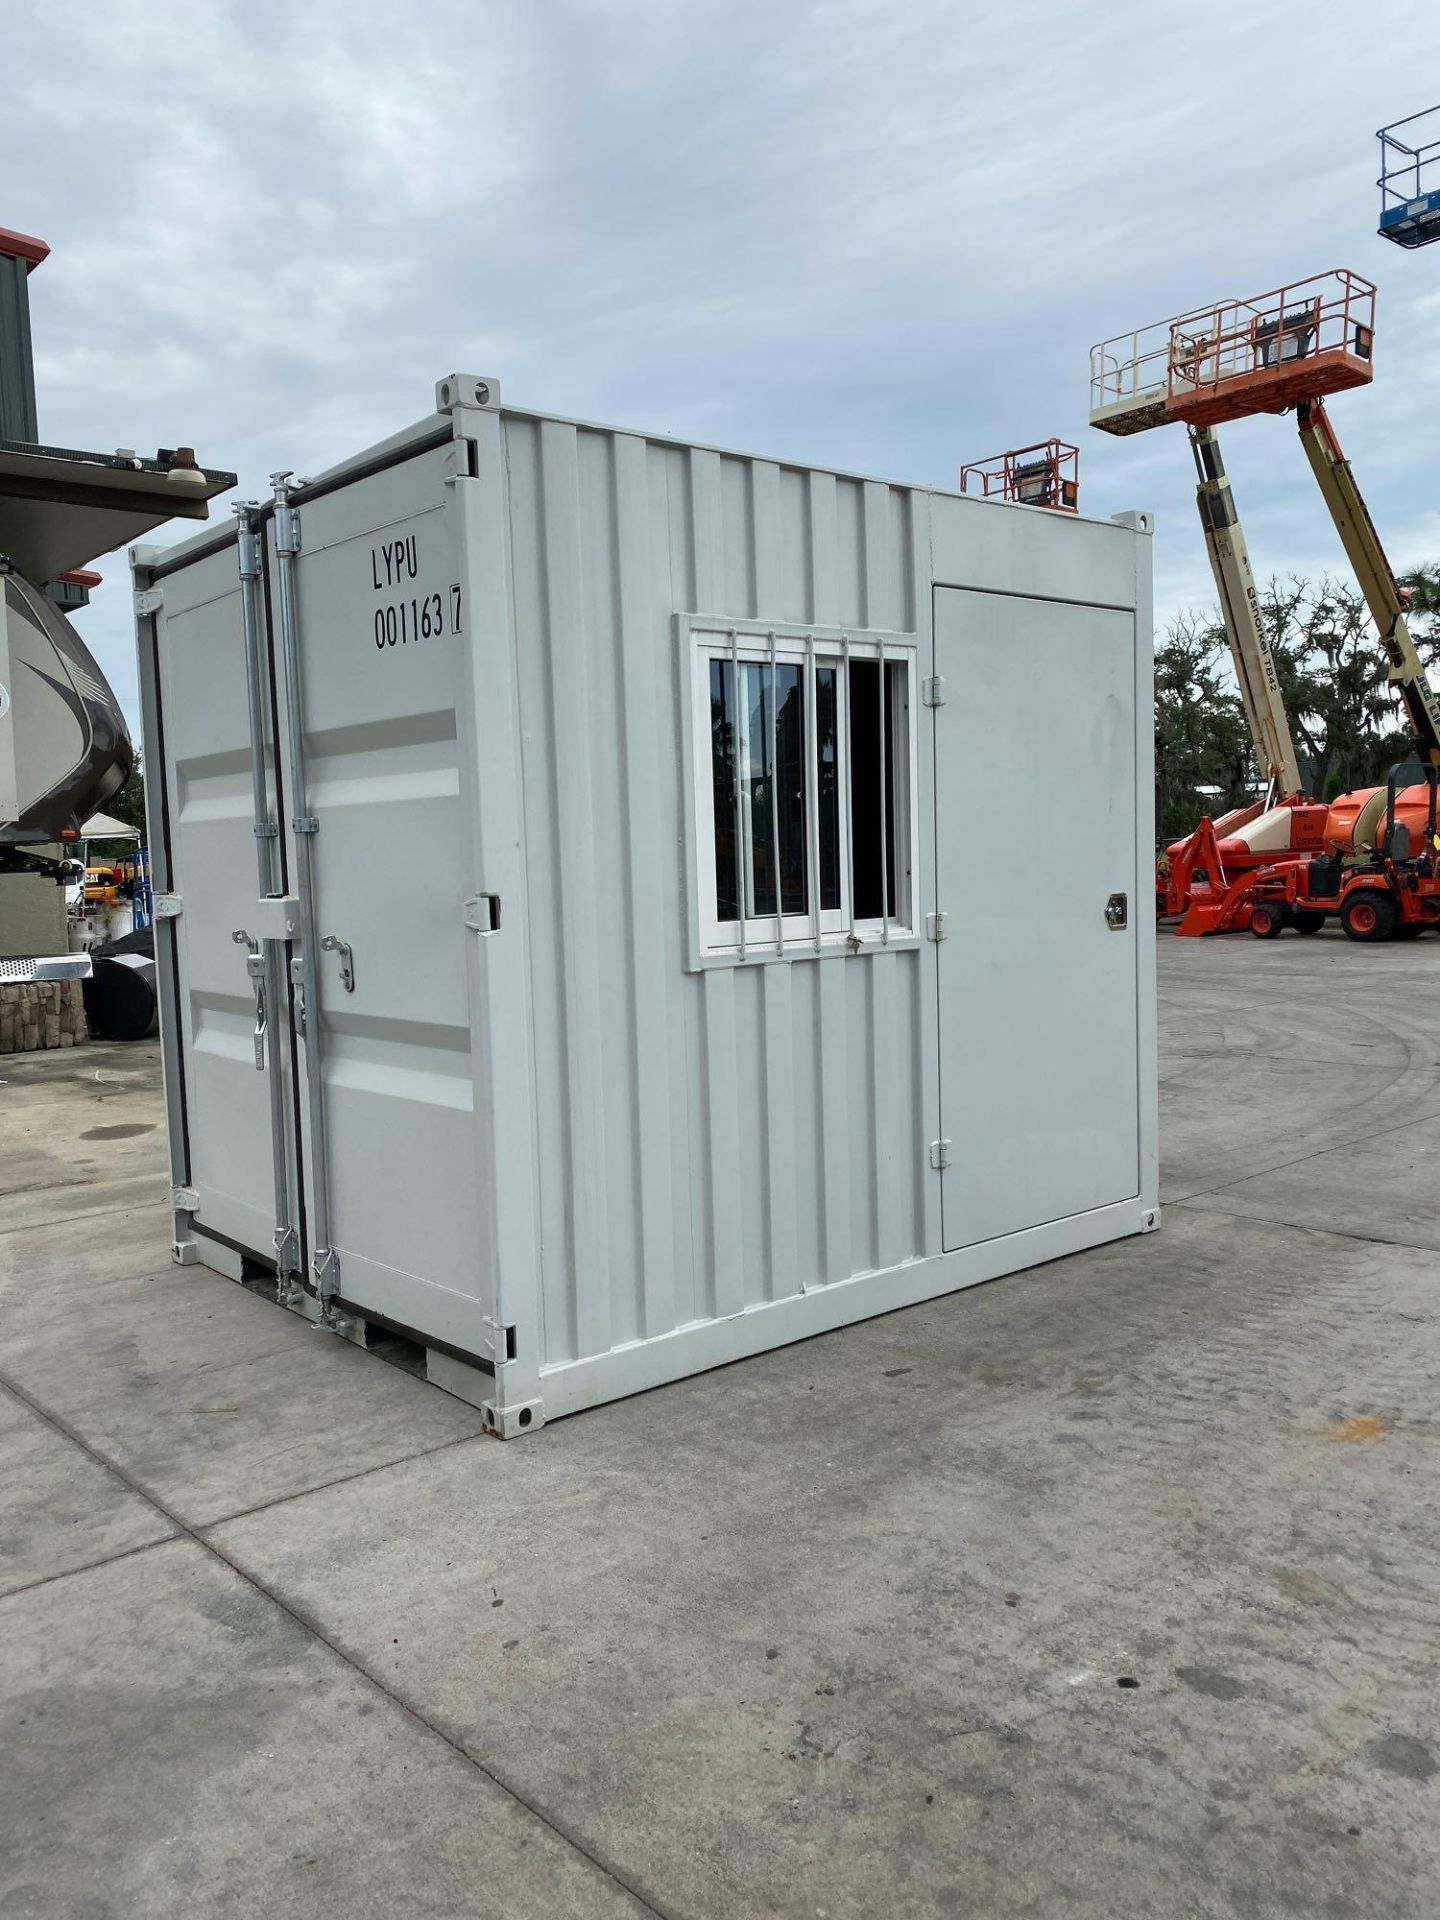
1045, 475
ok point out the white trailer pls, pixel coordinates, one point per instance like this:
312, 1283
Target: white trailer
623, 905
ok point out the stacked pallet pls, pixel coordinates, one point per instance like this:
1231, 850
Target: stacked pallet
41, 1013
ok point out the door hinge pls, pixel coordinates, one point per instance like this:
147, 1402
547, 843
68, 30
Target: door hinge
482, 913
932, 691
168, 906
151, 600
325, 1266
185, 1199
935, 926
939, 1155
287, 528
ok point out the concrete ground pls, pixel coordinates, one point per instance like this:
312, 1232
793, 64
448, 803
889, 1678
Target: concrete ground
1109, 1590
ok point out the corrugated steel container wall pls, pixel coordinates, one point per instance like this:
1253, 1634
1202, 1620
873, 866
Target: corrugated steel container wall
646, 1153
700, 1150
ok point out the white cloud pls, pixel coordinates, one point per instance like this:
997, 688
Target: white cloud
877, 235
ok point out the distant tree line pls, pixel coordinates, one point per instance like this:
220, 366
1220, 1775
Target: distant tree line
1348, 726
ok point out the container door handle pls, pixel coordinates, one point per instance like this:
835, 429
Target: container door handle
1117, 912
255, 967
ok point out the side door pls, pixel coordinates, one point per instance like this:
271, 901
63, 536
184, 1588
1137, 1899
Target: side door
1035, 836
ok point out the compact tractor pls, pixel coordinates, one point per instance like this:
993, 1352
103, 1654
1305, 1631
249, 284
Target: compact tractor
1393, 894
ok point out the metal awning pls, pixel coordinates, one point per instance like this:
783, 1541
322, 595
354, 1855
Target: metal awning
60, 509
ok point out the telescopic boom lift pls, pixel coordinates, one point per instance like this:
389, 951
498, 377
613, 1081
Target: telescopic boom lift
1372, 570
1280, 351
1250, 650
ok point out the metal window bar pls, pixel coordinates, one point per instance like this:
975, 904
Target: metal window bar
812, 784
737, 736
775, 800
891, 723
884, 809
844, 774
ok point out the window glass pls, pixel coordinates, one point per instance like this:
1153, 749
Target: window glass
723, 748
827, 757
872, 790
769, 742
773, 786
810, 812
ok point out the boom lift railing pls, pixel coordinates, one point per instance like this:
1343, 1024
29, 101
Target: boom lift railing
1281, 350
1409, 180
1045, 475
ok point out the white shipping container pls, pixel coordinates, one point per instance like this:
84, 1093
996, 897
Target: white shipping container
624, 905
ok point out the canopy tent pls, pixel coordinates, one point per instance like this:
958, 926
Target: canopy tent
101, 826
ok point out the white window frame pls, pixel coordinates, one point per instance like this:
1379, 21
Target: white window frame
814, 933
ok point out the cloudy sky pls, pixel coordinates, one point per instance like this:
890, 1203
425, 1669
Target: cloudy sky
874, 236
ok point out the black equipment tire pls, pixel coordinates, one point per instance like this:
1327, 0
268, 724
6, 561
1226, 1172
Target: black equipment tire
1368, 915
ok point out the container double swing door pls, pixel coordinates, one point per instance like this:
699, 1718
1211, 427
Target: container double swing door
1035, 875
384, 1040
342, 990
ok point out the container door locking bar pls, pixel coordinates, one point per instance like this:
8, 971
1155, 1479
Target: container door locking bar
262, 958
324, 1262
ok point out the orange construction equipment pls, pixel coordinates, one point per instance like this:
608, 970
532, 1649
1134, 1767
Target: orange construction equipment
1239, 357
1045, 475
1267, 355
1208, 881
1285, 349
1391, 892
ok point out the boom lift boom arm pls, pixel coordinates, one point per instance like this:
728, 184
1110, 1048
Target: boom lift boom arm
1249, 648
1372, 570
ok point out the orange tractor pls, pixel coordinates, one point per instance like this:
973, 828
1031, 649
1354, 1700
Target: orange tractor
1209, 882
1393, 894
